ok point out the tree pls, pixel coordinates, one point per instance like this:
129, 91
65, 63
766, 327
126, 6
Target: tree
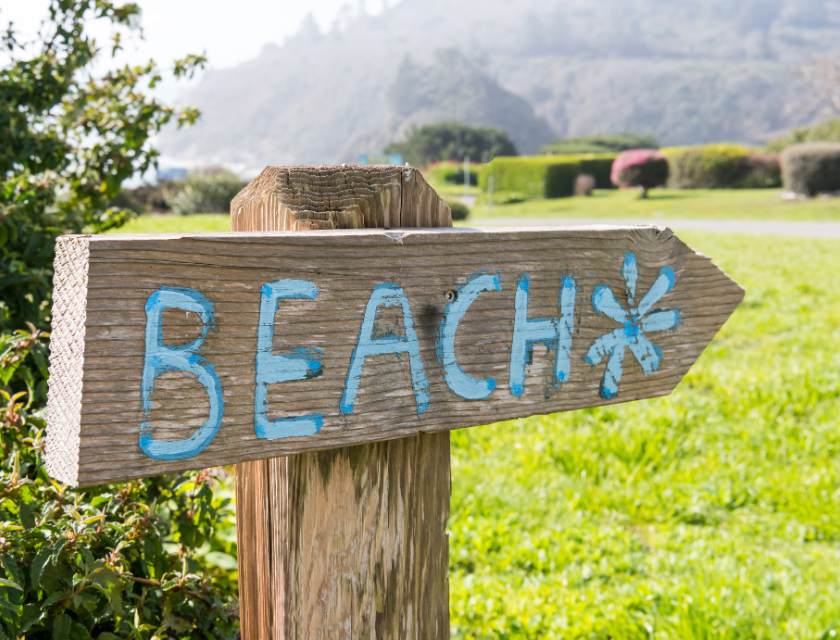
118, 561
452, 141
640, 168
822, 74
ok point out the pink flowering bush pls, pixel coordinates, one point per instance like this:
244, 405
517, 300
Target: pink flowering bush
640, 168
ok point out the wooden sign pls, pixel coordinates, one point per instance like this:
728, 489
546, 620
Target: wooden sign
174, 352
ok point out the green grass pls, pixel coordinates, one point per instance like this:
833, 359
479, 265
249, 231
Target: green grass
177, 224
708, 514
717, 204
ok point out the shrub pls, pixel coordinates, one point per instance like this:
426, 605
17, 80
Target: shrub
714, 166
642, 168
536, 177
812, 168
584, 184
762, 171
207, 191
460, 211
125, 560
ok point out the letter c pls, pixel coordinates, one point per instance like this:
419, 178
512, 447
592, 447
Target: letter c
459, 382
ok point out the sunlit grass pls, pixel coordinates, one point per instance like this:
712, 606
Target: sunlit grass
712, 204
708, 514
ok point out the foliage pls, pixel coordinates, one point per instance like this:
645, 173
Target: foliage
207, 191
640, 168
132, 560
115, 561
761, 171
67, 142
598, 166
823, 132
460, 211
812, 168
720, 166
452, 141
535, 176
600, 144
451, 172
707, 514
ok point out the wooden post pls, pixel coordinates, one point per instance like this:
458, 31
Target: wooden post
350, 542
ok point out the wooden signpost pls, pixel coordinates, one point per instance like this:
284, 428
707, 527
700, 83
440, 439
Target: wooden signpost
327, 345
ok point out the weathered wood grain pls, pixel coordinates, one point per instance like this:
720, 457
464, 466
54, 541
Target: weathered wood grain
348, 542
229, 269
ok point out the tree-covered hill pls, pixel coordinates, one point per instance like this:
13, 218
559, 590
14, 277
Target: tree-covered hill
687, 72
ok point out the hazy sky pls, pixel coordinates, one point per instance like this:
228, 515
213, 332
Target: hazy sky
230, 31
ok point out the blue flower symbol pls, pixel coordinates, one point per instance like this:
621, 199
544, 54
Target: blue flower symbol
634, 324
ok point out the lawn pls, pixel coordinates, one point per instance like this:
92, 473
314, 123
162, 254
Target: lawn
708, 514
670, 204
710, 204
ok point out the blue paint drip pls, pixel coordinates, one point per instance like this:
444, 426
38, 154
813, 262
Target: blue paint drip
631, 273
388, 295
555, 333
460, 383
301, 364
159, 359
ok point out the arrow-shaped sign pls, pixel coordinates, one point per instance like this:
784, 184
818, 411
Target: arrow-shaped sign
174, 352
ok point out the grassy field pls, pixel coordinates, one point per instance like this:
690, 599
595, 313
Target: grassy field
717, 204
708, 514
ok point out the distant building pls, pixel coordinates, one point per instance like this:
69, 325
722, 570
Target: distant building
165, 175
383, 158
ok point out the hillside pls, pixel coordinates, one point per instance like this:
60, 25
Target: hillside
687, 72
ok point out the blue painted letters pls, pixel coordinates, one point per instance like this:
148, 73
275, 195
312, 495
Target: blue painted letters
459, 382
272, 369
387, 295
160, 359
554, 332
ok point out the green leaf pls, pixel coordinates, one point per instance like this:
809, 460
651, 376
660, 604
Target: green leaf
37, 567
31, 614
54, 597
9, 583
26, 517
61, 627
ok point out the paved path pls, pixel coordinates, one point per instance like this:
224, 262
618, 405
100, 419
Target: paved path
827, 230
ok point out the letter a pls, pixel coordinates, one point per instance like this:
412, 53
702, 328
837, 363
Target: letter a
386, 295
160, 359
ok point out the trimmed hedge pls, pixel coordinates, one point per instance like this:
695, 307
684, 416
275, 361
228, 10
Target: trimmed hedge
599, 166
721, 166
546, 176
812, 168
536, 177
